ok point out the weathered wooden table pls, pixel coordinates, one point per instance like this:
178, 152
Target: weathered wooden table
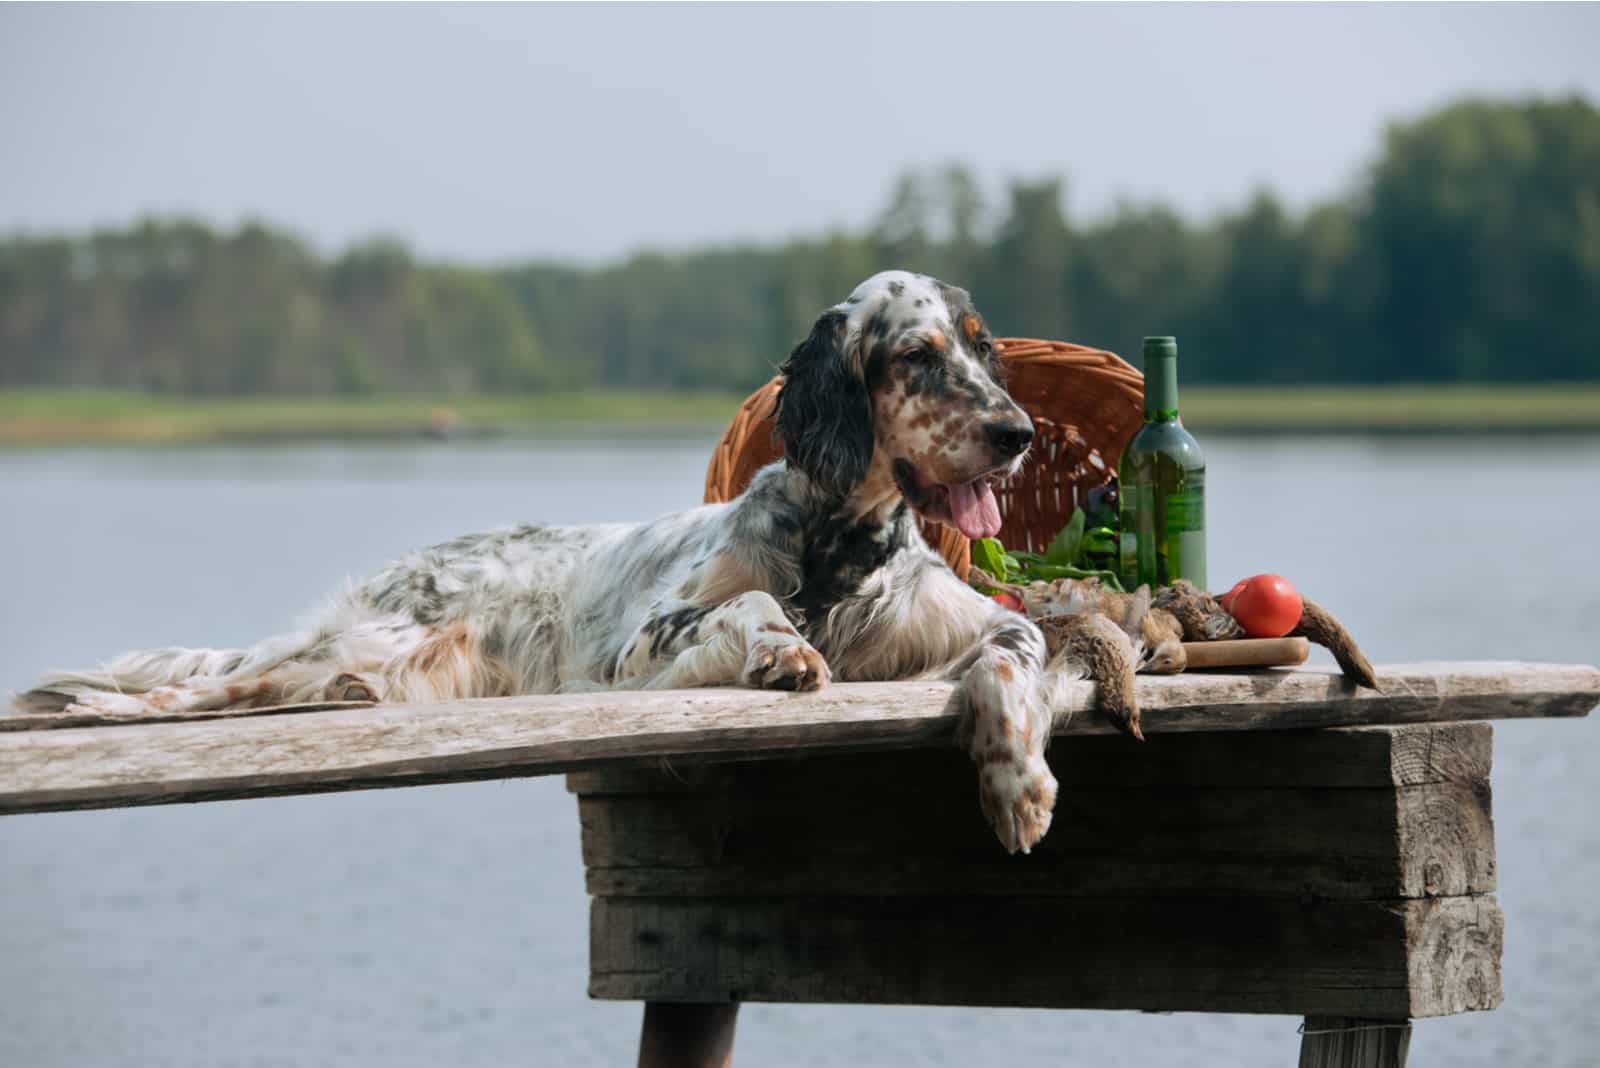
1283, 843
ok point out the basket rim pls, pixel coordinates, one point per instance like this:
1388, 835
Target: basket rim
1122, 382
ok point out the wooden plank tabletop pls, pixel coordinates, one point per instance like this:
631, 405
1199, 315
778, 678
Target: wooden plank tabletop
59, 762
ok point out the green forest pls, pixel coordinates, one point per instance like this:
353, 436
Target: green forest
1468, 251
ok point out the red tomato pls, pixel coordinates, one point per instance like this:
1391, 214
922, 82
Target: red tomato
1008, 600
1266, 606
1227, 598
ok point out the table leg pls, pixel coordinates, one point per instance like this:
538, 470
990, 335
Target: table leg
687, 1035
1350, 1042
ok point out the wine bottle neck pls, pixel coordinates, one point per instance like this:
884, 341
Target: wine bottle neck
1160, 388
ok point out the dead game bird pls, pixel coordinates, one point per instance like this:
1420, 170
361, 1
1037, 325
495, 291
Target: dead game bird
1203, 619
1201, 616
1318, 625
1108, 637
1155, 627
1092, 645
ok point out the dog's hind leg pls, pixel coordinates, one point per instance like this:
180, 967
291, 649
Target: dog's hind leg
353, 686
744, 641
446, 662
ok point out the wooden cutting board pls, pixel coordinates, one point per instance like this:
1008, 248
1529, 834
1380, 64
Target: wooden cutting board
1247, 652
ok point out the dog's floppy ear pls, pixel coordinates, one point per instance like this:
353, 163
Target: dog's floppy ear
824, 414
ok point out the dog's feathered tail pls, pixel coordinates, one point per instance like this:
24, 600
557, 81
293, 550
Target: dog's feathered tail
148, 669
131, 673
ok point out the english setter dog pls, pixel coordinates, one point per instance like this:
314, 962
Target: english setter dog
893, 406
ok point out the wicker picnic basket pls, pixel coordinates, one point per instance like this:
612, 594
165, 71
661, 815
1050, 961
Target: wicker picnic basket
1084, 403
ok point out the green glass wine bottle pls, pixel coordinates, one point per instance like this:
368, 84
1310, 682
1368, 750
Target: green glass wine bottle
1162, 479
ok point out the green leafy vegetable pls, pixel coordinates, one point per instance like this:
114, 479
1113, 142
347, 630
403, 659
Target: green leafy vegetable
989, 553
1065, 557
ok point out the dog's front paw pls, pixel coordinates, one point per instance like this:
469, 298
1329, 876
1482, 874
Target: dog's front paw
785, 665
1017, 797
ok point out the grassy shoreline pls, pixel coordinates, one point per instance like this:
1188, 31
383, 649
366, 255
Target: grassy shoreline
62, 417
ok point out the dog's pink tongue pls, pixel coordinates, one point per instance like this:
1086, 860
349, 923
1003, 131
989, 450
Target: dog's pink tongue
974, 509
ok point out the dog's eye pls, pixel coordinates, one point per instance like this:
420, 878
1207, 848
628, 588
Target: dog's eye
920, 354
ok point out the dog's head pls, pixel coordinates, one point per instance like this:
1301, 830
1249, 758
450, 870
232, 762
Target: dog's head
904, 374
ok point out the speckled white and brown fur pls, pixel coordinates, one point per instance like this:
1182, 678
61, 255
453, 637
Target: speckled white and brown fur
817, 571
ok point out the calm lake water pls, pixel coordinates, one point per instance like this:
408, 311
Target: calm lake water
447, 924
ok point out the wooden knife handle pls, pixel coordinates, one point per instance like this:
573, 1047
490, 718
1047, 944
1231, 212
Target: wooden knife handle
1248, 652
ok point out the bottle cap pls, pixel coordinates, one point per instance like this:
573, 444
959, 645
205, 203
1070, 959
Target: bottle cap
1157, 347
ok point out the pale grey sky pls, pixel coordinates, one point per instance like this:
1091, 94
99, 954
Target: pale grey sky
501, 132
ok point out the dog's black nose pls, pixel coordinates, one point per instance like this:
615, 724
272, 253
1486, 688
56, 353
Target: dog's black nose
1009, 439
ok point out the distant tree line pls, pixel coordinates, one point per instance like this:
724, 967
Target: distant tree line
1469, 252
